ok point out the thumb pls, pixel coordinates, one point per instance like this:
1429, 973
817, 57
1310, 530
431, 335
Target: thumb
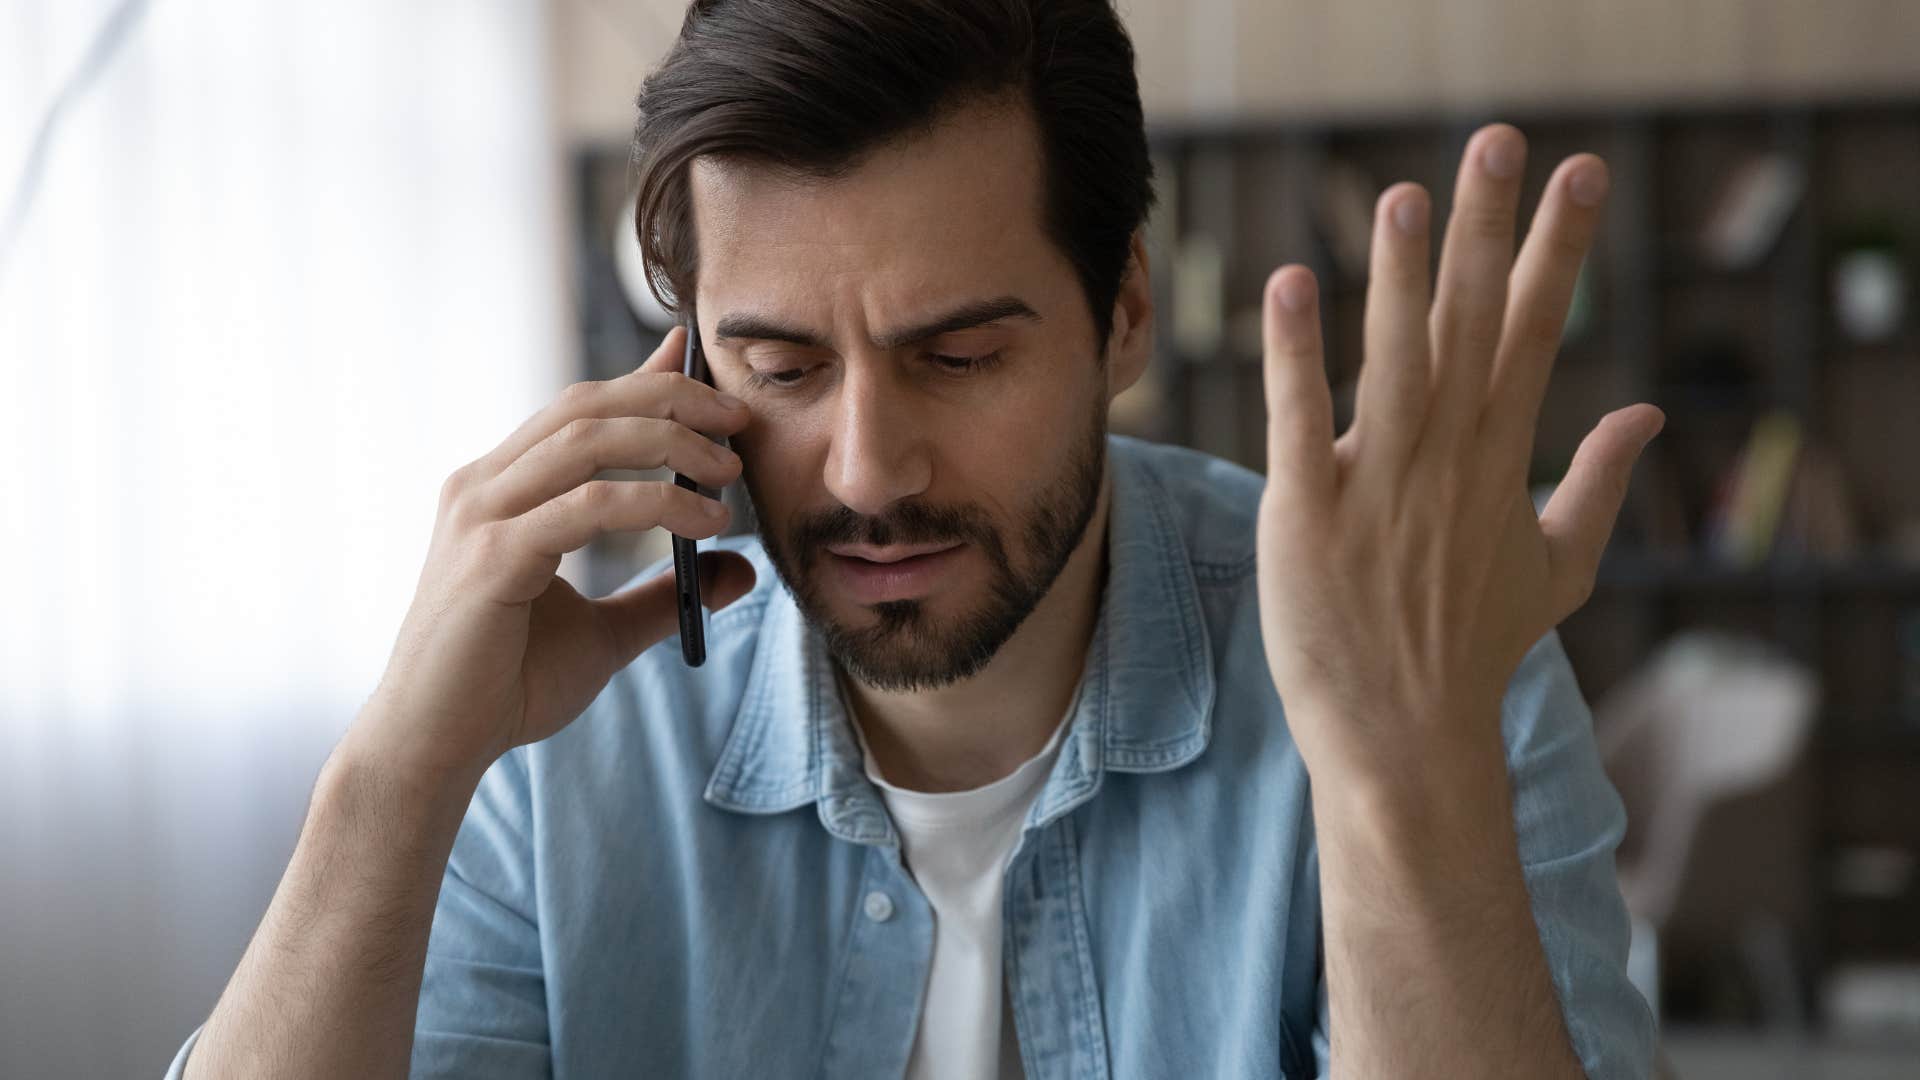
649, 613
1579, 518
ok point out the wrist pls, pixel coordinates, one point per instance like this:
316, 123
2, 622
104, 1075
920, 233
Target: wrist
417, 800
1389, 753
1421, 803
386, 739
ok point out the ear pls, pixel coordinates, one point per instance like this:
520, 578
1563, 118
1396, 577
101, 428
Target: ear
1130, 343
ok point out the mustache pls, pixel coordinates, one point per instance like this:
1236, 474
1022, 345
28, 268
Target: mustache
905, 523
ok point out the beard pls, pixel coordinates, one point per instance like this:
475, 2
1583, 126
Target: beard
905, 648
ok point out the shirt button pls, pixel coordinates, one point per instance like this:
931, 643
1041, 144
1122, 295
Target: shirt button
879, 906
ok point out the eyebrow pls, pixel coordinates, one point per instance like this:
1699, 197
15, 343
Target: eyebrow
746, 326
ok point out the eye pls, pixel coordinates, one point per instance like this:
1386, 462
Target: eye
789, 377
961, 364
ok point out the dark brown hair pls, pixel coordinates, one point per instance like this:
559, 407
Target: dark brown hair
810, 86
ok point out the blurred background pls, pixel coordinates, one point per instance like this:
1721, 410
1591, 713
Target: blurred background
268, 273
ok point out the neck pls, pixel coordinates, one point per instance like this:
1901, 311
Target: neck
982, 728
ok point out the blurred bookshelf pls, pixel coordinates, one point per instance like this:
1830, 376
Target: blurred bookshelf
1781, 501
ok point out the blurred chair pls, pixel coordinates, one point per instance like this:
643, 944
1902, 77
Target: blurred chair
1711, 724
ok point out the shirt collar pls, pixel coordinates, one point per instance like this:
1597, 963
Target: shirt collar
1145, 703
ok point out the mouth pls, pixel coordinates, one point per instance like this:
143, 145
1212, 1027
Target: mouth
873, 575
890, 554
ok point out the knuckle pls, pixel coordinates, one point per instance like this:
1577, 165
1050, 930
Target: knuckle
457, 495
579, 396
455, 485
1580, 590
577, 432
662, 495
693, 444
1406, 271
1475, 332
1486, 220
1568, 244
1540, 335
661, 431
490, 544
599, 495
675, 389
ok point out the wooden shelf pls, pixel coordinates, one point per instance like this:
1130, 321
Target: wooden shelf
1652, 573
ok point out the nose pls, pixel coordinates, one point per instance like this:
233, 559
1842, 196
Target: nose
879, 452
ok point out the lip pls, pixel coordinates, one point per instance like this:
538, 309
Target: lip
900, 573
891, 553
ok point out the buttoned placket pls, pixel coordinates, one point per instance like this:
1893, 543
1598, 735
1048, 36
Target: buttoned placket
883, 977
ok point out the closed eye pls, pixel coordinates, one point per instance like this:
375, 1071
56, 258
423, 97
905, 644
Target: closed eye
964, 364
958, 365
778, 378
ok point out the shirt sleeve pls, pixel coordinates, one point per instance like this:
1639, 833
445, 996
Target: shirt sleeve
179, 1067
1569, 819
483, 1011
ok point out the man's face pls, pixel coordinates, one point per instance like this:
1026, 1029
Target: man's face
929, 410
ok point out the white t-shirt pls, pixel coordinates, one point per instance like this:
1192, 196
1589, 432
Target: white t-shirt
956, 845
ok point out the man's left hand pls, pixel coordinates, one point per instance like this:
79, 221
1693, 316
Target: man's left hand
1403, 572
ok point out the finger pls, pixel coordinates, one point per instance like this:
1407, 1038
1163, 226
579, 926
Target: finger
1390, 404
573, 455
1541, 290
1299, 404
649, 613
548, 420
1580, 516
671, 355
1470, 296
568, 522
649, 391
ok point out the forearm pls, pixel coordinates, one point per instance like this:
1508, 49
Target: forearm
330, 983
1434, 965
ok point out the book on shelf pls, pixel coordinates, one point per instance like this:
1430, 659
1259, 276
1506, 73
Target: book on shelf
1746, 516
1655, 515
1819, 522
1199, 280
1752, 210
1345, 210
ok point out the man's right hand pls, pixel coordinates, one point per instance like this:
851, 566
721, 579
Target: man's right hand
496, 650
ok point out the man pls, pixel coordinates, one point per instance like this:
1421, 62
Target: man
1000, 762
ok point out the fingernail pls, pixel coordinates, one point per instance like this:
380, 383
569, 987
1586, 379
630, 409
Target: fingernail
725, 455
715, 508
1410, 214
1296, 291
1501, 157
1589, 185
731, 402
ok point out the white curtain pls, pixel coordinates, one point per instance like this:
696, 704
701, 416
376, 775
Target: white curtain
288, 265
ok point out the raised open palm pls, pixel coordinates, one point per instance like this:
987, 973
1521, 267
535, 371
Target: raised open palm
1403, 572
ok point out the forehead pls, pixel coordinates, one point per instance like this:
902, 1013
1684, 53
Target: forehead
956, 207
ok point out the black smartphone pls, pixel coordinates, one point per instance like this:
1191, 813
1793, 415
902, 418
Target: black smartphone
686, 568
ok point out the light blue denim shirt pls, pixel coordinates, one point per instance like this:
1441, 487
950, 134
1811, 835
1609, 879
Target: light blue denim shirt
697, 879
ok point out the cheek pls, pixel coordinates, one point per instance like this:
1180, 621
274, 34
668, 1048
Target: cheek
1021, 453
779, 468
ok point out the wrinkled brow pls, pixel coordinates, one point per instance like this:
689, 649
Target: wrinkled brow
747, 326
